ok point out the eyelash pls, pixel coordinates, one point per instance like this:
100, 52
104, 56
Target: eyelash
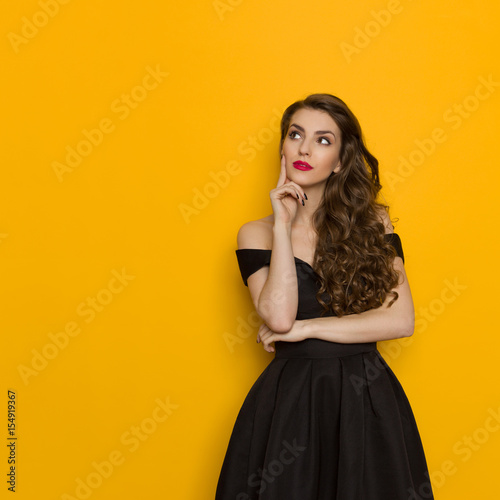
295, 132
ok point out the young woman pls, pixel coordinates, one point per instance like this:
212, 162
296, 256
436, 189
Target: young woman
327, 418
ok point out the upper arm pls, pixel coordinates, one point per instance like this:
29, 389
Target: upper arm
255, 234
385, 219
403, 307
404, 304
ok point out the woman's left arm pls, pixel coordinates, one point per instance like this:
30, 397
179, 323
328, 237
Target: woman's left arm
382, 323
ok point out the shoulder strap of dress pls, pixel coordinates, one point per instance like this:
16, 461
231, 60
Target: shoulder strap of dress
395, 241
251, 260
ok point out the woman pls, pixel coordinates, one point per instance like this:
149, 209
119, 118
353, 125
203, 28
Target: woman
327, 418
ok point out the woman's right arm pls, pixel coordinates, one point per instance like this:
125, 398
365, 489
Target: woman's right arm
274, 288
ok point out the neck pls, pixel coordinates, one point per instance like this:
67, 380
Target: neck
305, 213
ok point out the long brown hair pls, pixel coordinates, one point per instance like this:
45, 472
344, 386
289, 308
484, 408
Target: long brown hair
352, 259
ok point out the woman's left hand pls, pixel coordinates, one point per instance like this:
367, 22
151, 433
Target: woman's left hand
297, 333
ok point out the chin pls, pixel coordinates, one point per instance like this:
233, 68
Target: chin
307, 178
306, 175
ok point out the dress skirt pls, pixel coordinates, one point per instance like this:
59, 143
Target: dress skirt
325, 421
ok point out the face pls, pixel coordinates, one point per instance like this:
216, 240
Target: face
311, 147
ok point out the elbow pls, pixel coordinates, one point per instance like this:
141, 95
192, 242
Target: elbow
281, 324
408, 326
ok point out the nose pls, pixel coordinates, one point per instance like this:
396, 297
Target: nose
304, 148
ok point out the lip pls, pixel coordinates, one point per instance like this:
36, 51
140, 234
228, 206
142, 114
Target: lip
302, 165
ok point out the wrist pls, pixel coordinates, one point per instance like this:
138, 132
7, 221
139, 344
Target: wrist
318, 328
281, 227
308, 328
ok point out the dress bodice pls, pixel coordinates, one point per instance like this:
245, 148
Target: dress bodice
251, 260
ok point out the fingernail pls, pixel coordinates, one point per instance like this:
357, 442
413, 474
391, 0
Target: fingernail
297, 197
305, 196
303, 204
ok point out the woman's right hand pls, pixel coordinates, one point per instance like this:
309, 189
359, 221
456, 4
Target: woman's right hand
286, 197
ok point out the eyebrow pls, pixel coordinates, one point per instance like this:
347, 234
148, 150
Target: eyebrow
317, 131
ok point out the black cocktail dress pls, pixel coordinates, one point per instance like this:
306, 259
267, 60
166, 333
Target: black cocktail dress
324, 420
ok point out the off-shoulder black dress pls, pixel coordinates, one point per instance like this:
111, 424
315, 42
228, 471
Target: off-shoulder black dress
324, 420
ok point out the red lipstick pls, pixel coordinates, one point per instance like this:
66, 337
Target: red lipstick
302, 165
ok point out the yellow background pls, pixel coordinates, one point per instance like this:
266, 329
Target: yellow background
233, 66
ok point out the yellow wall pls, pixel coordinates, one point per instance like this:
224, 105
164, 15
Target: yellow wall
119, 280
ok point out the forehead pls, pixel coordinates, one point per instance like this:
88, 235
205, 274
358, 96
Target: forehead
314, 119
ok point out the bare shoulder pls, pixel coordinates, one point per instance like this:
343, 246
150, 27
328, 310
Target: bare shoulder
386, 220
256, 233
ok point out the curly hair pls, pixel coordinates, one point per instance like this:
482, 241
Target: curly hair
353, 259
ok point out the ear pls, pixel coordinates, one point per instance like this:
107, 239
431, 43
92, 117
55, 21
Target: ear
337, 168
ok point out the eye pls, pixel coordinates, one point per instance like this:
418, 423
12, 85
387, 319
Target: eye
291, 134
324, 139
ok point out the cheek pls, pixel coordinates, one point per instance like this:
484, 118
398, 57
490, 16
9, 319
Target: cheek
328, 156
287, 149
334, 156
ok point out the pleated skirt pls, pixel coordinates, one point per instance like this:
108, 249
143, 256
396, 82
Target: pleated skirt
325, 421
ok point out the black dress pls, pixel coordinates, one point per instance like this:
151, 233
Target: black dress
324, 420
